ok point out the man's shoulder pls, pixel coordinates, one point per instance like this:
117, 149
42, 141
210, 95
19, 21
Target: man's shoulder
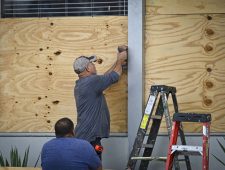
97, 77
51, 141
88, 78
85, 142
63, 141
73, 140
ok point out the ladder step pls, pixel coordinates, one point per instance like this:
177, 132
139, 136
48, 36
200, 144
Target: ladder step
187, 150
147, 145
159, 117
150, 158
192, 117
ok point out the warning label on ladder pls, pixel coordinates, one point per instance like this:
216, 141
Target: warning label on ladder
149, 106
144, 121
148, 111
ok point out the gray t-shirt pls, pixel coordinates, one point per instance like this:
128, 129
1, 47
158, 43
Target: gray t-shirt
93, 119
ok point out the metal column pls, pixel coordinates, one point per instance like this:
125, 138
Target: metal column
136, 15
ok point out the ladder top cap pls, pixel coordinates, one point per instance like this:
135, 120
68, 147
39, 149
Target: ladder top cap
192, 117
165, 88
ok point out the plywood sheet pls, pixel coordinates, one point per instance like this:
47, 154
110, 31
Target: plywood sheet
187, 51
185, 7
36, 73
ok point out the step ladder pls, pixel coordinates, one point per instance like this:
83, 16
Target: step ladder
162, 108
175, 150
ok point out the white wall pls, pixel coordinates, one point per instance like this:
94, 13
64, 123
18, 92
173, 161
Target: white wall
115, 150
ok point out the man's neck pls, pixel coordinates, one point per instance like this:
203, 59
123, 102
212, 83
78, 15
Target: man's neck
69, 136
84, 74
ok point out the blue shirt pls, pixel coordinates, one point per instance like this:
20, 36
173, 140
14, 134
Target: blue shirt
69, 154
93, 119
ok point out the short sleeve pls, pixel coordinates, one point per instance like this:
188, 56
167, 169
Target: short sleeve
102, 82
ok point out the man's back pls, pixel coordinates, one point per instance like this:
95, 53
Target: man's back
93, 119
69, 154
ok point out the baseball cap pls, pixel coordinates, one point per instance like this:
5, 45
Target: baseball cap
81, 63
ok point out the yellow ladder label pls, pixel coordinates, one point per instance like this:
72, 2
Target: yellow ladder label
144, 121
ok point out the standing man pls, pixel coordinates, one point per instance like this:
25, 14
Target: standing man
65, 152
93, 118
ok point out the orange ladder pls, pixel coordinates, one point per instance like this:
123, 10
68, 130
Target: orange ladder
203, 150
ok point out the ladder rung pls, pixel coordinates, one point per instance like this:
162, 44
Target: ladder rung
189, 153
159, 117
150, 158
147, 145
187, 150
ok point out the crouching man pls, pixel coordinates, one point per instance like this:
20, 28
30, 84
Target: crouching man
65, 152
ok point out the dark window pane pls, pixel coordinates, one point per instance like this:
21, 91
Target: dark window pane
51, 8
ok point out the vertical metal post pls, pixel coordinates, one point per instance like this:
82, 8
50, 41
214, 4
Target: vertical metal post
136, 15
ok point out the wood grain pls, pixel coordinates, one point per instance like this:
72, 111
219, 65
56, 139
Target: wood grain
185, 7
37, 77
184, 48
188, 52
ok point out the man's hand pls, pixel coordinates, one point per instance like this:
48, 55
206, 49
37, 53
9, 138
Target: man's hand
122, 48
122, 57
121, 60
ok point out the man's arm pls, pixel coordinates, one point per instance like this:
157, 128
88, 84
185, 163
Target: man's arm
117, 66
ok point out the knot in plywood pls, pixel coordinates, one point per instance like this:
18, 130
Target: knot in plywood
209, 17
55, 102
209, 84
207, 101
208, 48
209, 31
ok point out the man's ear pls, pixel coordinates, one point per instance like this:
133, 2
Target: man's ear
88, 68
72, 133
